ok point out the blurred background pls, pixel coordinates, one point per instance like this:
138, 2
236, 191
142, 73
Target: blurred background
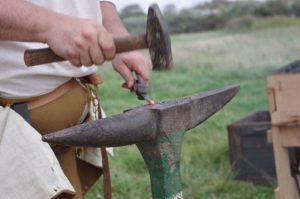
215, 44
203, 15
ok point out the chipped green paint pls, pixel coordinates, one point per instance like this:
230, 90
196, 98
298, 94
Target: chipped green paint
162, 157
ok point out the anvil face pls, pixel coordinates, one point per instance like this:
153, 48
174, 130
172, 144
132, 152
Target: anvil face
146, 123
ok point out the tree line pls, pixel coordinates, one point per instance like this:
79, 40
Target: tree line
210, 15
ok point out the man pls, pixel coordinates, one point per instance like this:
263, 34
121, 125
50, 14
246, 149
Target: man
54, 99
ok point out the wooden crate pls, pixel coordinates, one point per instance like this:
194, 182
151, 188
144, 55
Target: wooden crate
251, 156
285, 139
283, 89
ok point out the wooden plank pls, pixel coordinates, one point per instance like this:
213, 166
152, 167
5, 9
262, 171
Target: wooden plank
286, 183
290, 136
283, 81
272, 100
287, 107
276, 192
283, 95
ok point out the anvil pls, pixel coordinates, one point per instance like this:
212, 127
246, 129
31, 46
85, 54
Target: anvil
157, 130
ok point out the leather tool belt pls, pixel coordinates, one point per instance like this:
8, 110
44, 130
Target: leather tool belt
64, 107
24, 105
35, 102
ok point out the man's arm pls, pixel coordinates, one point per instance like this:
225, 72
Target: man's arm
22, 21
124, 63
81, 41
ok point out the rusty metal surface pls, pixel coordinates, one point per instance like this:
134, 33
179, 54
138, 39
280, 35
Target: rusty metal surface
146, 123
158, 39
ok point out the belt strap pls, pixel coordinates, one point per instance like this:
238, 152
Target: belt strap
95, 80
22, 109
105, 162
106, 174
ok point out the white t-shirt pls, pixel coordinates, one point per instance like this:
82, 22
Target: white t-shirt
19, 81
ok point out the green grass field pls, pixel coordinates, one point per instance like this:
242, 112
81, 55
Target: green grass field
203, 62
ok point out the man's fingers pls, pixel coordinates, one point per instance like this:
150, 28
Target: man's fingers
144, 69
125, 85
87, 40
73, 58
96, 55
126, 63
141, 66
75, 62
84, 51
106, 43
126, 74
95, 51
94, 46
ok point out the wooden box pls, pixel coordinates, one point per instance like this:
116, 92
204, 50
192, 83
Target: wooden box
283, 89
251, 156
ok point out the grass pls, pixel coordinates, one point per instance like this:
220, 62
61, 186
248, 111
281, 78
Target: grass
203, 62
247, 23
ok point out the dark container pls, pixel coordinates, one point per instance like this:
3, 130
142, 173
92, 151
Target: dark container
251, 156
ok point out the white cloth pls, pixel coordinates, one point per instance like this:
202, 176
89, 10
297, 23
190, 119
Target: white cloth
17, 80
28, 167
91, 154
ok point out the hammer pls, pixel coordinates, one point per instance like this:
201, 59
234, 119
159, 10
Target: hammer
157, 39
157, 131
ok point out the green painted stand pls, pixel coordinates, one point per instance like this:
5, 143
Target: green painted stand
162, 157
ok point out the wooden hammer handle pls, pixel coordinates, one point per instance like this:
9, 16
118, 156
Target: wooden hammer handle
125, 44
35, 57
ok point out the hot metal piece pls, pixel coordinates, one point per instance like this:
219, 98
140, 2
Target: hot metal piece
140, 89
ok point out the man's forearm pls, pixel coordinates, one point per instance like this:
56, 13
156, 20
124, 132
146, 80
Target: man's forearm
111, 20
81, 41
23, 21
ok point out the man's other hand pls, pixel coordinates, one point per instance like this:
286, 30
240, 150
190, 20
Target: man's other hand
126, 63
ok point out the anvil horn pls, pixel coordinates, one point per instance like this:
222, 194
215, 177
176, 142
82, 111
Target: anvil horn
146, 123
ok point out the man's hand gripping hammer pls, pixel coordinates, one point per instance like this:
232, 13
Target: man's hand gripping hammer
156, 39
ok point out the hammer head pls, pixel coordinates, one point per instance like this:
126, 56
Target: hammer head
158, 39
